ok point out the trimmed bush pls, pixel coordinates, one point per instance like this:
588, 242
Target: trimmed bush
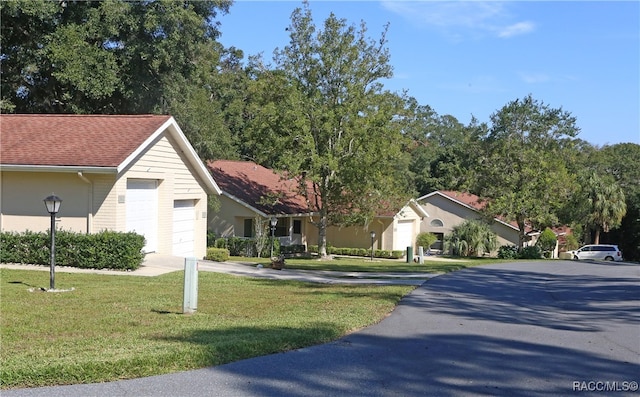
103, 250
217, 254
426, 240
508, 252
531, 252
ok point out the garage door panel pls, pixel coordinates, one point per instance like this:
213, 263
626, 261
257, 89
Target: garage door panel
142, 211
183, 228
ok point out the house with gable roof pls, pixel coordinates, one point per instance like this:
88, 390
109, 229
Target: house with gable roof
113, 172
250, 190
448, 209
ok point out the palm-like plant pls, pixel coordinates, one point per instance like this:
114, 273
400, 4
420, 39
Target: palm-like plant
607, 205
471, 238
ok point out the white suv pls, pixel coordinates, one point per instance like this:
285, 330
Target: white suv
604, 252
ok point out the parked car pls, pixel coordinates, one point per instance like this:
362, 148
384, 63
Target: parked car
606, 252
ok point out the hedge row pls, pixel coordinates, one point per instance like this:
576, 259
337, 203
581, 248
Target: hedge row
239, 246
104, 250
360, 252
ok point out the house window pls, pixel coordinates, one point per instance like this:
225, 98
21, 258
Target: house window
297, 226
439, 244
437, 223
248, 228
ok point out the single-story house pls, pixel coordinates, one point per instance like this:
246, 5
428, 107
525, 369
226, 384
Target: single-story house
448, 209
251, 191
122, 172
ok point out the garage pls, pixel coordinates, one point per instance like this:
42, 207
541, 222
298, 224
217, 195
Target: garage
405, 234
183, 228
142, 210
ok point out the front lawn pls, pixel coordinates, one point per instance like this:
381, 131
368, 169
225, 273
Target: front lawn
359, 264
120, 327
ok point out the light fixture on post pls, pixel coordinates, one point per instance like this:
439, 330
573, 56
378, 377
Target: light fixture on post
373, 236
273, 222
53, 206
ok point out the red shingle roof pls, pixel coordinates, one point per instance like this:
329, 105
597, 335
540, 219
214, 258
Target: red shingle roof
73, 140
258, 187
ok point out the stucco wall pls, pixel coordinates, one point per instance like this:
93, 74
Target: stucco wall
452, 214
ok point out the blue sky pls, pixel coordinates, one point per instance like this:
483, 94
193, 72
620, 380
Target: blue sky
472, 58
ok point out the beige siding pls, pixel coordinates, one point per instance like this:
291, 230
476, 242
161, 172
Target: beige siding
163, 163
22, 206
452, 214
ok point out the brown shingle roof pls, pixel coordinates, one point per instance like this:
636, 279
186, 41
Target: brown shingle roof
259, 187
73, 140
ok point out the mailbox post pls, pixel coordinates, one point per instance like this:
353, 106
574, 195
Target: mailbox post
190, 303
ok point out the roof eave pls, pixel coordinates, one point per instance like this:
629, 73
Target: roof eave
59, 168
174, 129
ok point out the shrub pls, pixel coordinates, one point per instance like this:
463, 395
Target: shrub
508, 252
531, 252
103, 250
547, 242
425, 240
217, 254
471, 238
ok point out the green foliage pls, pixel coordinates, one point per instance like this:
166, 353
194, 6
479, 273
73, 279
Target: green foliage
425, 240
471, 238
522, 171
531, 252
103, 250
571, 243
359, 252
508, 252
323, 118
242, 246
217, 254
547, 241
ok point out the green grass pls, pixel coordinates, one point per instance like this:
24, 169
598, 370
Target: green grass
120, 327
358, 264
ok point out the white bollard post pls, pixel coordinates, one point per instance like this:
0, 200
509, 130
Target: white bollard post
190, 303
421, 255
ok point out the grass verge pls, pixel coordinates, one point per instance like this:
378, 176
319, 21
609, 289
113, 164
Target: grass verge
119, 327
357, 264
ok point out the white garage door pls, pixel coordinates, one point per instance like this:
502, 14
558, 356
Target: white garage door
142, 210
405, 235
183, 228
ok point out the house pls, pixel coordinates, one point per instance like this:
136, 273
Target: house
122, 173
448, 209
252, 192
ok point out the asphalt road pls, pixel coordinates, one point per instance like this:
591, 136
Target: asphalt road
519, 329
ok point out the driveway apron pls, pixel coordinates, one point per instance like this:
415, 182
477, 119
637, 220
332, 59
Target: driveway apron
519, 329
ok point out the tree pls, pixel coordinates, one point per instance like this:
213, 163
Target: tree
547, 242
471, 238
622, 161
522, 172
100, 57
606, 205
332, 127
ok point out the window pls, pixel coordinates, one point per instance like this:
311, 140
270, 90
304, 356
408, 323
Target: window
248, 228
437, 223
297, 226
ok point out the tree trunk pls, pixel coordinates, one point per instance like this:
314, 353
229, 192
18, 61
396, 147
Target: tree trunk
521, 233
322, 234
596, 238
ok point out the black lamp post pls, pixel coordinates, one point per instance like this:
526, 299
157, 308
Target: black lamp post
373, 236
53, 206
273, 222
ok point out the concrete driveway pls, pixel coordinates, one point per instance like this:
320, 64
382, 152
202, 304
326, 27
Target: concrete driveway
519, 329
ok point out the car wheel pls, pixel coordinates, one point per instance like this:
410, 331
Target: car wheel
575, 257
608, 258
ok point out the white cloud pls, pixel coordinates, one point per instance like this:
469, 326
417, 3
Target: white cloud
516, 29
461, 18
534, 78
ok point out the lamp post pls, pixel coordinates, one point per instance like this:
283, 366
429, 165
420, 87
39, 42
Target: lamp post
53, 206
273, 222
373, 236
